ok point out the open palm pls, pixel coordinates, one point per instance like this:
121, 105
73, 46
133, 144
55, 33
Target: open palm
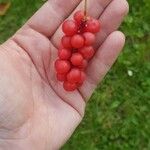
35, 111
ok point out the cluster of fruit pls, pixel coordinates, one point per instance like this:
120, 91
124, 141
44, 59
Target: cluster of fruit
76, 50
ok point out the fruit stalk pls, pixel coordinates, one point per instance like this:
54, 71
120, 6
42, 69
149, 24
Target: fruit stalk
85, 9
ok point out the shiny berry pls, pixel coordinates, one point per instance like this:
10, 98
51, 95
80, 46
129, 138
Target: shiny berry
89, 38
66, 41
74, 76
93, 26
69, 27
83, 65
62, 66
79, 16
61, 77
87, 52
77, 41
76, 59
69, 86
64, 54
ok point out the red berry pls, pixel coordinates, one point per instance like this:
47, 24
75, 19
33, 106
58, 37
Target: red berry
69, 27
79, 16
76, 59
93, 26
61, 77
84, 64
74, 76
89, 38
69, 86
87, 52
77, 41
82, 78
64, 54
66, 41
62, 66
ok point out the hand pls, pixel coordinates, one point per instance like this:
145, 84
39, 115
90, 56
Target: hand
35, 111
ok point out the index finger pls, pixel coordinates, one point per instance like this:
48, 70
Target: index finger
48, 18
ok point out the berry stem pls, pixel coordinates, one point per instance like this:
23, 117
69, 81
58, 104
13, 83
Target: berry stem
85, 9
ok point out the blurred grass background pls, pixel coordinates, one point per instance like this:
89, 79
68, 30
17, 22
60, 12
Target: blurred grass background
118, 115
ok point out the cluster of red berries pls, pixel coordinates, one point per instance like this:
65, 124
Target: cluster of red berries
76, 50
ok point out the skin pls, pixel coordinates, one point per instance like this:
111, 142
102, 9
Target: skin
35, 111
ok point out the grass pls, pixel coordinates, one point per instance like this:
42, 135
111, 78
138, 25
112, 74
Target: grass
117, 117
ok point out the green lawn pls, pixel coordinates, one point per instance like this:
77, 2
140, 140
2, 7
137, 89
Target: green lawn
118, 115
